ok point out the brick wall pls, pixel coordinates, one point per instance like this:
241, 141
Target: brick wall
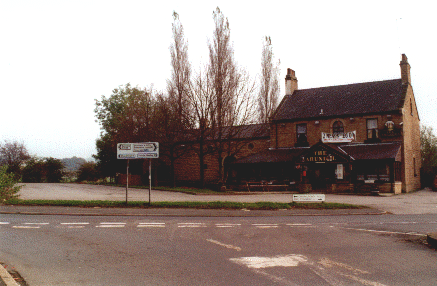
411, 146
187, 168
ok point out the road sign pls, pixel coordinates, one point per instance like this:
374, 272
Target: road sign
308, 198
142, 150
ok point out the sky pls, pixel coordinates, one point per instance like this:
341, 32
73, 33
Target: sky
58, 57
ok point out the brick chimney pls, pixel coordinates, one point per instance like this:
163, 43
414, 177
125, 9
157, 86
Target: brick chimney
290, 82
405, 70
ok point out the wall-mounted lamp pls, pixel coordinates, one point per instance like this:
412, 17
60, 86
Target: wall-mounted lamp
351, 119
317, 123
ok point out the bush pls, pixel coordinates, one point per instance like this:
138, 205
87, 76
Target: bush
8, 190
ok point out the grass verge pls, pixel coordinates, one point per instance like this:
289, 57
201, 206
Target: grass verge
191, 205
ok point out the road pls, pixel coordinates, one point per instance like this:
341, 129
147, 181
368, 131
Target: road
167, 250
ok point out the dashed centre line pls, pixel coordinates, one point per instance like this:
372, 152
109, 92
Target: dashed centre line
151, 224
111, 224
265, 225
227, 224
191, 224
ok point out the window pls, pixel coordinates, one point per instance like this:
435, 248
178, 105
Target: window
372, 129
414, 166
337, 127
411, 107
301, 131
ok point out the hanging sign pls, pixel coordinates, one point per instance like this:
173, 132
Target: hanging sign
339, 137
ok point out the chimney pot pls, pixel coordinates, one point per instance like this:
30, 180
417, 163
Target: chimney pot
290, 82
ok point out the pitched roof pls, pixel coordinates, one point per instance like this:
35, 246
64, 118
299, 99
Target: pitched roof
342, 100
375, 151
272, 156
242, 132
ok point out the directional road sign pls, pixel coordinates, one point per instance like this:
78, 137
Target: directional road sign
142, 150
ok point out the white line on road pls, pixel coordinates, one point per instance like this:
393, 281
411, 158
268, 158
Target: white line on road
225, 245
385, 231
265, 225
191, 224
299, 224
74, 223
111, 224
227, 224
4, 222
37, 223
151, 224
25, 226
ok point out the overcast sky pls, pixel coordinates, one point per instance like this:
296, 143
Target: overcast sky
57, 57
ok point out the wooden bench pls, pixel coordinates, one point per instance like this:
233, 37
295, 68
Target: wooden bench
264, 185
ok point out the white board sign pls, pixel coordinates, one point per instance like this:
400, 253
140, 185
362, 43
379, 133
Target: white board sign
142, 150
308, 198
339, 137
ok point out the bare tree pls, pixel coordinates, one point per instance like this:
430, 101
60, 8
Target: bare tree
13, 154
179, 84
231, 90
269, 85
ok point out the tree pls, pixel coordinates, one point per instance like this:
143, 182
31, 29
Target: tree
125, 116
269, 83
8, 185
53, 170
231, 90
33, 171
13, 154
87, 172
179, 84
428, 148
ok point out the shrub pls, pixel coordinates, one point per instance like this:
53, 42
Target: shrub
8, 188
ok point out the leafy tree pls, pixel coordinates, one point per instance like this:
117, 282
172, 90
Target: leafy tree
8, 185
125, 116
87, 172
428, 142
43, 170
53, 170
269, 83
33, 171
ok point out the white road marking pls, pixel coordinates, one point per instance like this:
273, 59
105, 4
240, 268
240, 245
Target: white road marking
385, 231
4, 222
191, 224
256, 262
25, 226
299, 224
227, 224
111, 224
151, 224
74, 223
37, 223
265, 225
225, 245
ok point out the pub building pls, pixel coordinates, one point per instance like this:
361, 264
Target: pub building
339, 139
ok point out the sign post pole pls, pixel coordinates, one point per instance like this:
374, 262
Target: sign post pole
127, 178
150, 178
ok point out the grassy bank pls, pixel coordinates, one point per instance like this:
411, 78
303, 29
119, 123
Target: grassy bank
193, 205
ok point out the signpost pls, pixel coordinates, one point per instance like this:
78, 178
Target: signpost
142, 150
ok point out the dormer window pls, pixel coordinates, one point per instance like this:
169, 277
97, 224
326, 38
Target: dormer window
337, 127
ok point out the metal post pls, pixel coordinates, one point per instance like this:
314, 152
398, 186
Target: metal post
150, 178
127, 177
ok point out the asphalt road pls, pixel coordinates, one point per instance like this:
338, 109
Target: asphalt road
291, 250
189, 247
